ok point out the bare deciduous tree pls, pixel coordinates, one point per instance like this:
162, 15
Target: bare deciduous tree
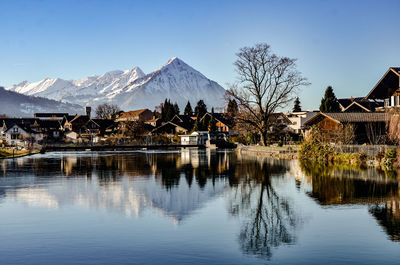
107, 111
345, 134
266, 83
393, 125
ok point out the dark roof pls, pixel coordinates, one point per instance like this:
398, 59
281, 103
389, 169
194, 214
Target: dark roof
387, 85
183, 121
50, 115
364, 105
19, 121
49, 124
105, 123
345, 102
349, 117
396, 69
220, 117
25, 127
168, 127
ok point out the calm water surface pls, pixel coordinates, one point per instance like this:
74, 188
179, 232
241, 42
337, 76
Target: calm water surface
193, 207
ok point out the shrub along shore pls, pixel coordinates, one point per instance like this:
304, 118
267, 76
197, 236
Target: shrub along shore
314, 150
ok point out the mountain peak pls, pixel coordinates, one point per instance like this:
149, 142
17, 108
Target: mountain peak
132, 88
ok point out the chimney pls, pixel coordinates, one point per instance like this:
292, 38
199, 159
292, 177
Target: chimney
88, 110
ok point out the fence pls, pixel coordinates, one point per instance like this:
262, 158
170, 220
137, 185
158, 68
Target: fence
370, 150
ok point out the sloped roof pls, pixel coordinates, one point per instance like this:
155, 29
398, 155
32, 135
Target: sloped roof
132, 113
219, 117
183, 121
11, 121
345, 102
104, 123
388, 81
349, 117
50, 115
50, 124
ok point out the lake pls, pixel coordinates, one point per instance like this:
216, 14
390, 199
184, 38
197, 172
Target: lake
194, 207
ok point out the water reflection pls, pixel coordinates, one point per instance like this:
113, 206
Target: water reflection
175, 184
350, 186
178, 185
270, 218
127, 183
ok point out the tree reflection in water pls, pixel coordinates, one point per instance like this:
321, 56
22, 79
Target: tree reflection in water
175, 183
339, 186
270, 219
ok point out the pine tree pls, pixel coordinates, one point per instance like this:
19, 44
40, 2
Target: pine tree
212, 123
169, 110
232, 109
329, 102
176, 109
196, 126
188, 109
297, 106
200, 108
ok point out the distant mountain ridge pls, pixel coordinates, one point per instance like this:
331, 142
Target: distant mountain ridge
131, 89
18, 105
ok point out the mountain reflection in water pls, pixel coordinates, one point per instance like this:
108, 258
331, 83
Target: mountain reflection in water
262, 198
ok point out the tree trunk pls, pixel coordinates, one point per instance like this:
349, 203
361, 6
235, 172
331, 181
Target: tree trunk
263, 138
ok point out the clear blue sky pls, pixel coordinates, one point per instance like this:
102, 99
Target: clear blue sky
346, 44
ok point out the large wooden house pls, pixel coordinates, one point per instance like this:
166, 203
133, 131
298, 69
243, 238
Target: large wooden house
368, 127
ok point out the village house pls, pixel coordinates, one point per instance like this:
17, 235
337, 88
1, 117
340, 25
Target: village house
298, 119
155, 122
223, 124
50, 116
178, 124
136, 115
195, 138
387, 89
18, 131
368, 127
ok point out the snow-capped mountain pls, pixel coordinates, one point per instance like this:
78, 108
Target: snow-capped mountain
131, 89
18, 105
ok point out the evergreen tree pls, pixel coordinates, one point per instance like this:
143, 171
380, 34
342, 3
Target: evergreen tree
176, 109
297, 107
329, 102
212, 123
232, 108
169, 110
196, 126
188, 109
200, 108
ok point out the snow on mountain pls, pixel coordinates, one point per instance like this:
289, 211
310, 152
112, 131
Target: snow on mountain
132, 89
14, 104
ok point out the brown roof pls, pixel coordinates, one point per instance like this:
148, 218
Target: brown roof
133, 113
353, 117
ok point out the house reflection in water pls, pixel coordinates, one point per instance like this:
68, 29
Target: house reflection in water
126, 182
335, 186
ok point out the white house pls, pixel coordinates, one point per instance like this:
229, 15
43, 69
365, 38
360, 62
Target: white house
195, 138
298, 119
16, 135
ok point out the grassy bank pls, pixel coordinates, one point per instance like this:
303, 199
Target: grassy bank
9, 153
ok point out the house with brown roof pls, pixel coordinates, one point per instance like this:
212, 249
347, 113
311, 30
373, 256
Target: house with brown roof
222, 123
369, 127
136, 115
